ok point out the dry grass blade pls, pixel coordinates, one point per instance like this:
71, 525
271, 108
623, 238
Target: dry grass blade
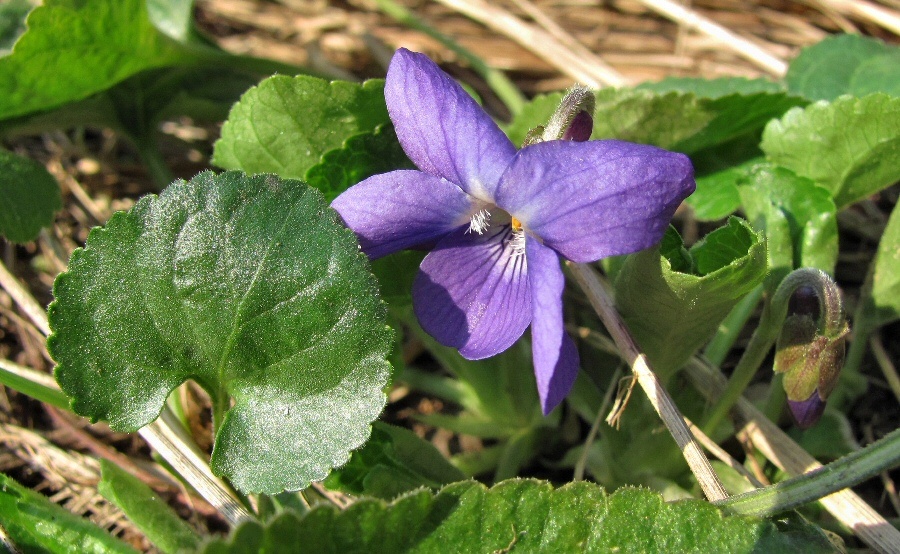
566, 39
24, 300
659, 398
591, 71
693, 20
865, 11
70, 477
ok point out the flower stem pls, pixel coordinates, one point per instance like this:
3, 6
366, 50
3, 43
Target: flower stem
659, 398
156, 166
850, 470
502, 86
731, 327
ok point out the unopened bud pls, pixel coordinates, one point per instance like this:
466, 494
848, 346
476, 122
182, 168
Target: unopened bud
581, 128
572, 120
810, 349
807, 412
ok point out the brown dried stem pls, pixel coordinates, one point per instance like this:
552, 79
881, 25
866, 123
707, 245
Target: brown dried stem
603, 304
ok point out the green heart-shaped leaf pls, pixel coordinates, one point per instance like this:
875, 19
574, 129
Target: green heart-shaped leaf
845, 64
673, 313
684, 121
73, 49
718, 172
29, 197
521, 515
361, 156
285, 124
797, 216
849, 146
249, 286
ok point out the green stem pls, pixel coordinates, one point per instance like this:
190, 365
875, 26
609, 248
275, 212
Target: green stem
153, 159
762, 340
442, 387
850, 470
39, 386
777, 397
502, 86
731, 327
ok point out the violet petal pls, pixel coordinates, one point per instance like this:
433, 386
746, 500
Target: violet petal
590, 200
472, 293
442, 129
401, 209
807, 412
555, 356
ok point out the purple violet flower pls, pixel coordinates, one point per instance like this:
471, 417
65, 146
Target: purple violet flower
501, 218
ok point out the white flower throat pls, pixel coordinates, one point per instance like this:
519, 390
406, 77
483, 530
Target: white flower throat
481, 220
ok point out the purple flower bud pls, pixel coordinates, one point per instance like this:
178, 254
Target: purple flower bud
810, 349
807, 412
581, 128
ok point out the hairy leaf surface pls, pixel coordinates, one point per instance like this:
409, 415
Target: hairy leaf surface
520, 515
249, 286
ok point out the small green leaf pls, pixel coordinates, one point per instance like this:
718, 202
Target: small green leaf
882, 303
797, 216
718, 171
146, 510
646, 117
73, 49
845, 64
250, 287
534, 113
394, 461
712, 88
849, 146
286, 124
683, 121
520, 515
34, 524
29, 197
717, 193
361, 156
672, 314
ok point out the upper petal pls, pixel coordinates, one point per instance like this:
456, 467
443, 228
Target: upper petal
400, 209
555, 356
472, 293
590, 200
442, 129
